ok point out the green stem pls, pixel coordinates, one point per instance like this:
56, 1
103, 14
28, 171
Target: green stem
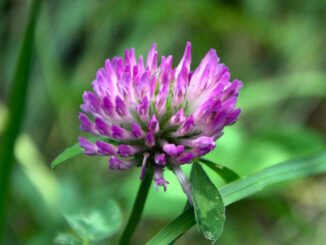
137, 208
16, 107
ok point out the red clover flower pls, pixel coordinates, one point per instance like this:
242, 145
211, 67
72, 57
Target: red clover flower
155, 116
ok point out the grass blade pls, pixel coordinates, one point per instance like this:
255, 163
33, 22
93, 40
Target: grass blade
245, 187
289, 170
17, 100
174, 229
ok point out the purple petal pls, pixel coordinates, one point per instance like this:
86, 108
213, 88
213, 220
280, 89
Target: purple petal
232, 117
130, 59
218, 123
106, 148
120, 106
118, 132
140, 65
126, 150
91, 103
150, 139
136, 130
151, 61
108, 68
102, 127
173, 150
124, 87
159, 178
118, 67
161, 98
108, 106
167, 69
201, 145
203, 72
100, 84
153, 124
142, 108
178, 118
186, 60
207, 110
141, 85
160, 159
116, 163
232, 89
203, 142
86, 124
185, 157
180, 87
89, 147
187, 126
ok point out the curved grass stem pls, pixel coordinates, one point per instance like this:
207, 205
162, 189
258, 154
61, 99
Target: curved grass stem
16, 104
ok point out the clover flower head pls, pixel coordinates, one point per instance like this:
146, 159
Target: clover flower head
154, 115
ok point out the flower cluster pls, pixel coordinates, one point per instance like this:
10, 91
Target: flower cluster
153, 115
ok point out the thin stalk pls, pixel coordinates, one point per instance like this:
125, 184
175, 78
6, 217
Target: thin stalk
16, 105
137, 208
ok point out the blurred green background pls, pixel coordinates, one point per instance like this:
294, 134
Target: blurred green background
277, 48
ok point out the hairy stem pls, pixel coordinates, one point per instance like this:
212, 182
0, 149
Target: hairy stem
137, 208
183, 181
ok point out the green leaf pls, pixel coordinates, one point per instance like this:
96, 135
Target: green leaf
96, 224
228, 175
174, 229
208, 204
247, 186
66, 239
70, 152
289, 170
